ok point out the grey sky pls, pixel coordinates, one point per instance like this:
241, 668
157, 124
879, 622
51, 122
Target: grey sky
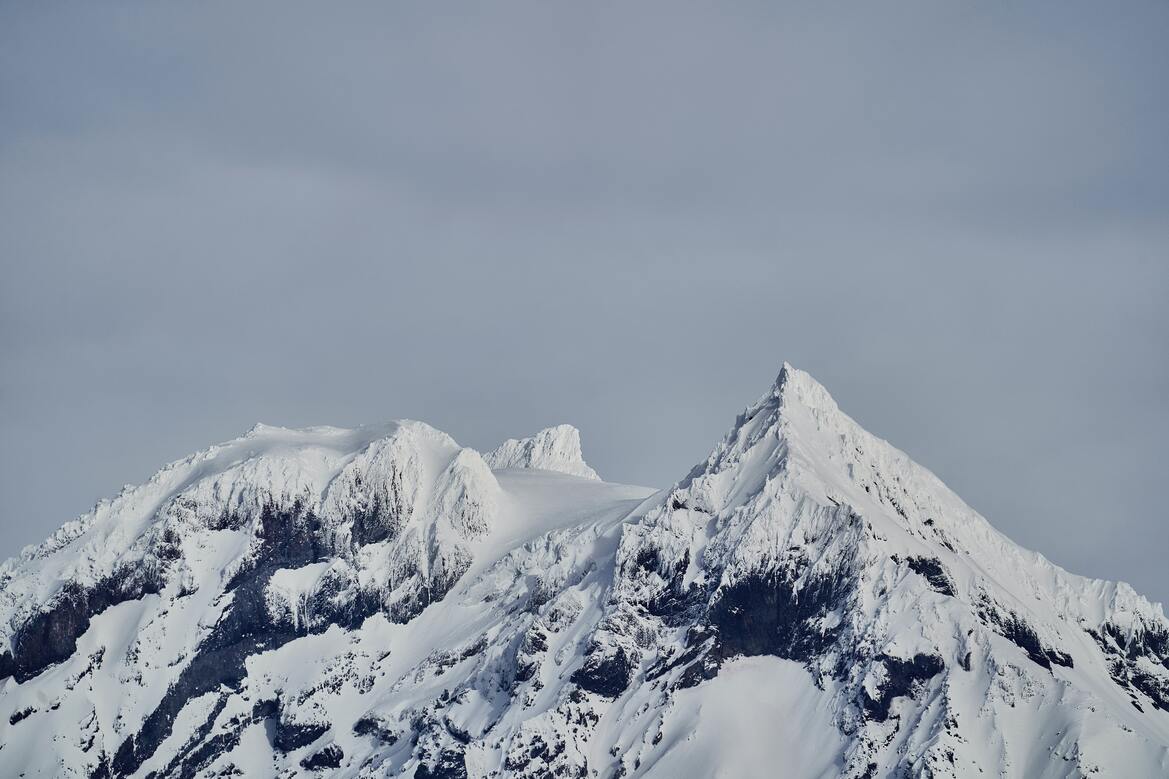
622, 216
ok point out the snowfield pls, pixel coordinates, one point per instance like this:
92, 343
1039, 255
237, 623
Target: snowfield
807, 602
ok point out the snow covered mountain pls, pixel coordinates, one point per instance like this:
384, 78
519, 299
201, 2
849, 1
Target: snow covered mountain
381, 602
554, 449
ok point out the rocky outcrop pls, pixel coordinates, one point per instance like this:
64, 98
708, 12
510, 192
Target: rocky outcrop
552, 449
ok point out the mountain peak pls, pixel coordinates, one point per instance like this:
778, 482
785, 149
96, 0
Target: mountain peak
794, 386
795, 401
377, 600
552, 449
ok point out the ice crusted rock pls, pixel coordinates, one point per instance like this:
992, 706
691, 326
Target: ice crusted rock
552, 449
380, 602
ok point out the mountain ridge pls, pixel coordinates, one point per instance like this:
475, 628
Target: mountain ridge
381, 601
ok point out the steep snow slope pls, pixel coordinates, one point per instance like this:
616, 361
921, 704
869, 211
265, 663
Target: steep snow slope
380, 602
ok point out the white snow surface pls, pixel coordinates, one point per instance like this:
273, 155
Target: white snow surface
528, 619
552, 449
778, 720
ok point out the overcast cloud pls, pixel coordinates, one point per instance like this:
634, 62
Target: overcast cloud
624, 216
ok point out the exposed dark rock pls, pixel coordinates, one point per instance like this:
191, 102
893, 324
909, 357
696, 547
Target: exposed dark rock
329, 757
200, 750
244, 629
101, 770
288, 539
198, 758
23, 714
902, 678
525, 669
1013, 628
678, 603
1156, 688
50, 636
370, 528
696, 659
457, 733
449, 765
288, 737
266, 709
1151, 643
702, 670
534, 641
605, 671
1126, 650
1023, 636
371, 725
934, 573
535, 757
382, 519
769, 614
